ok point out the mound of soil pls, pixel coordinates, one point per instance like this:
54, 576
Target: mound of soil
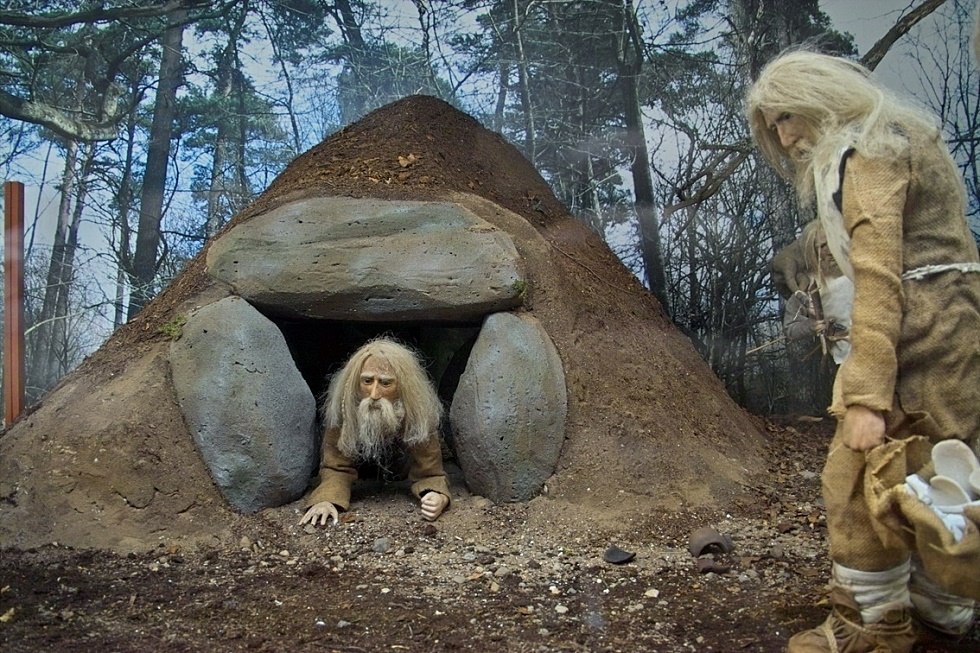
106, 462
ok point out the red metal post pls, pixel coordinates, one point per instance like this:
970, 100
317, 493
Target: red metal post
13, 300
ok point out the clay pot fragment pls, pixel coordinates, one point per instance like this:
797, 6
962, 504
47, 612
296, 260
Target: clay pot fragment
707, 539
708, 565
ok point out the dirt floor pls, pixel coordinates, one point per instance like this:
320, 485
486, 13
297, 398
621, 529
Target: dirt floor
115, 539
483, 578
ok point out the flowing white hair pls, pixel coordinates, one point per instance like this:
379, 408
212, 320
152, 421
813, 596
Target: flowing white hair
423, 410
839, 101
810, 237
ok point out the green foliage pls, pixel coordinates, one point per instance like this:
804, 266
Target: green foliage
521, 287
175, 327
70, 66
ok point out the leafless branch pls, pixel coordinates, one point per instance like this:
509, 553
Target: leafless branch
873, 57
96, 14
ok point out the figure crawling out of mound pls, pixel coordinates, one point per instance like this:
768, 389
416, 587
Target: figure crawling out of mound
892, 203
380, 408
817, 293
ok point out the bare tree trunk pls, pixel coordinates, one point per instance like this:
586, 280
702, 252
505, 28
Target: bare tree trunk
37, 205
124, 208
501, 104
119, 305
585, 193
530, 145
356, 49
58, 354
695, 318
155, 179
427, 25
630, 64
242, 193
284, 71
39, 373
588, 198
229, 85
219, 156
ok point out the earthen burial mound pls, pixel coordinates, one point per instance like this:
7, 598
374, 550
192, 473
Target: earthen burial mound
106, 460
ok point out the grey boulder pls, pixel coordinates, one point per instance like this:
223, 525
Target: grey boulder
508, 413
342, 258
250, 412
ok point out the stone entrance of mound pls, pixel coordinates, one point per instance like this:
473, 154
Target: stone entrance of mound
314, 279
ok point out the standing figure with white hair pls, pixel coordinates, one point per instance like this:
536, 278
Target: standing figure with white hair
892, 204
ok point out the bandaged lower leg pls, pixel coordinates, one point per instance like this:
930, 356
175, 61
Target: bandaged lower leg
875, 592
941, 610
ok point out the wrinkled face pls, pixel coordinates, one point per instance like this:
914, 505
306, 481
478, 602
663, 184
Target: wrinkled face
792, 132
377, 380
828, 264
823, 249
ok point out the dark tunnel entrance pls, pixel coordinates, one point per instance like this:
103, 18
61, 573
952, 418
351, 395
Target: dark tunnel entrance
319, 349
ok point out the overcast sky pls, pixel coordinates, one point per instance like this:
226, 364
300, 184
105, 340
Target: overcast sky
868, 20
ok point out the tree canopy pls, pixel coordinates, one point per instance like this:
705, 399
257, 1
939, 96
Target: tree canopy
165, 119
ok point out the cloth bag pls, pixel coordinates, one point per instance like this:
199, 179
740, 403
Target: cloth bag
898, 515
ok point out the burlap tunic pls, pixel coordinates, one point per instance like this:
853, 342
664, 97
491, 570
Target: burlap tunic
338, 472
915, 344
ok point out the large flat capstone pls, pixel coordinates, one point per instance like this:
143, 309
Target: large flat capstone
508, 413
370, 260
251, 414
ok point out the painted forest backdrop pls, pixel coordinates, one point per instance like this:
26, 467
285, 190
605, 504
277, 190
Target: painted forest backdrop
141, 128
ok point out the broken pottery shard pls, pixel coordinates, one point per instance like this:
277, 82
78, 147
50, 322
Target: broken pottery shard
711, 566
617, 556
707, 538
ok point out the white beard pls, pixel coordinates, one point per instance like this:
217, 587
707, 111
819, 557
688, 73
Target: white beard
378, 424
801, 151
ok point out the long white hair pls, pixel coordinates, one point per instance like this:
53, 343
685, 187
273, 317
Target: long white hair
423, 410
840, 102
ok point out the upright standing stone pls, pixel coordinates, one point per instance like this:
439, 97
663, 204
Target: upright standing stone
251, 414
508, 413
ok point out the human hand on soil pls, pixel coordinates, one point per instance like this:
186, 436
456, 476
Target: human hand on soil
433, 503
323, 511
862, 429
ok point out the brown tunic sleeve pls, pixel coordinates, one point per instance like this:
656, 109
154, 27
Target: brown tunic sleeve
337, 474
875, 193
426, 472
